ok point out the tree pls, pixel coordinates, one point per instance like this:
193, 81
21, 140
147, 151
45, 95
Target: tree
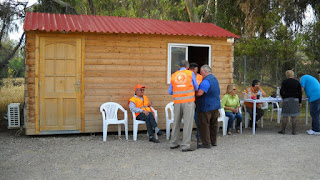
11, 13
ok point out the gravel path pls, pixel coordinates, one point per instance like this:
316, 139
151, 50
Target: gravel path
267, 155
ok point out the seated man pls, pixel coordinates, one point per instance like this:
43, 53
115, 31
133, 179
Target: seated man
140, 104
254, 89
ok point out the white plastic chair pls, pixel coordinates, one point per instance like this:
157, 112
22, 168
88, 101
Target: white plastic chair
136, 123
278, 109
109, 113
224, 119
169, 109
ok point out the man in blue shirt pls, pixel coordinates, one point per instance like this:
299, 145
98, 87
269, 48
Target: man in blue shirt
311, 87
209, 98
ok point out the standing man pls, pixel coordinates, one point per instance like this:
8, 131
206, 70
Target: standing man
182, 87
194, 67
140, 104
312, 88
208, 94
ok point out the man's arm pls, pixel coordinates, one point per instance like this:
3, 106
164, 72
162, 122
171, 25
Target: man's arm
133, 108
170, 89
200, 92
194, 82
203, 88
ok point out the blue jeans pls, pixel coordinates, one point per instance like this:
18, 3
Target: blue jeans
314, 112
232, 117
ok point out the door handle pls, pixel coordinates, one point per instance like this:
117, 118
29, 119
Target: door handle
78, 83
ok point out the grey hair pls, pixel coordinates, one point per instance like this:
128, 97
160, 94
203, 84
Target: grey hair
184, 63
206, 68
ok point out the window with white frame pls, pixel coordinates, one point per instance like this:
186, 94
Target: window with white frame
198, 53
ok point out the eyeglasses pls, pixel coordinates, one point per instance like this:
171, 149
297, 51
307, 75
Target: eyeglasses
141, 89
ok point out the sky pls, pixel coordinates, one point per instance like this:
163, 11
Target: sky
16, 35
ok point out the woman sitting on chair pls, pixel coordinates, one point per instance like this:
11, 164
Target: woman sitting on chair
230, 103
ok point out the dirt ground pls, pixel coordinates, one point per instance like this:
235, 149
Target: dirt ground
266, 155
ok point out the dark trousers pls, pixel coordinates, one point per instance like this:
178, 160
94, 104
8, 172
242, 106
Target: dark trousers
314, 112
259, 113
208, 127
150, 122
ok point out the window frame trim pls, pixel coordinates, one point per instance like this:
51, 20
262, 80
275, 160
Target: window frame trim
170, 45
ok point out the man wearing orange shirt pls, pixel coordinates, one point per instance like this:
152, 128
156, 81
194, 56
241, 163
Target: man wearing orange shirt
254, 89
140, 104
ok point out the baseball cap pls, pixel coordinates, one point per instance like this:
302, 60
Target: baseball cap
138, 86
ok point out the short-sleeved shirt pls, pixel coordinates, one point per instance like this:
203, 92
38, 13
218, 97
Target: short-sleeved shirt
311, 87
230, 101
205, 85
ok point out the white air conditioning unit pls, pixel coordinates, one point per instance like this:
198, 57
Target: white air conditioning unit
13, 115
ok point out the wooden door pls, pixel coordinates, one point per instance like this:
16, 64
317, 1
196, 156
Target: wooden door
59, 84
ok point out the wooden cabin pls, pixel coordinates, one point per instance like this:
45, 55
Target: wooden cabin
75, 63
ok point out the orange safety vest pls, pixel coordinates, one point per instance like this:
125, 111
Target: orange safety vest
199, 78
140, 104
182, 88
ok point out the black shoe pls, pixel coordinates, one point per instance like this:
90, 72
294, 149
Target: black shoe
294, 133
175, 147
204, 146
152, 139
214, 144
281, 132
160, 133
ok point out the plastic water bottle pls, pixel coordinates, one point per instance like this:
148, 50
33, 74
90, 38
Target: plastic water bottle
278, 92
249, 93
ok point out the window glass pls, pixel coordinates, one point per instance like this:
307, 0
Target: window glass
177, 54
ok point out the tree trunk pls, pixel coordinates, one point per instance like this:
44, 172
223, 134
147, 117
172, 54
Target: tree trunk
91, 7
193, 16
207, 11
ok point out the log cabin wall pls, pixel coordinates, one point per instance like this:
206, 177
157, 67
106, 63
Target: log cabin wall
114, 63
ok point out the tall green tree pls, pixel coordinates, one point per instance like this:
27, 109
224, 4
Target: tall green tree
11, 15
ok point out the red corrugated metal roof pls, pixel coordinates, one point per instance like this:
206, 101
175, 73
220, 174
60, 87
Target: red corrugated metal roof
113, 24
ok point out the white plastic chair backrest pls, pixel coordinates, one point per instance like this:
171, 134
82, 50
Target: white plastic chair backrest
222, 113
109, 111
169, 111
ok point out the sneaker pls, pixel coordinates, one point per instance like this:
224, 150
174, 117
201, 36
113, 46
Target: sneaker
310, 132
316, 133
229, 133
